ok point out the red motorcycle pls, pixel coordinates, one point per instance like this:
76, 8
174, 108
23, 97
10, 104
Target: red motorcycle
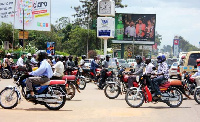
171, 95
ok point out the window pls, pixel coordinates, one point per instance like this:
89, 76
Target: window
192, 59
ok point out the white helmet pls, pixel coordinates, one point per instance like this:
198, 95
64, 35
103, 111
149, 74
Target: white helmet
8, 54
29, 54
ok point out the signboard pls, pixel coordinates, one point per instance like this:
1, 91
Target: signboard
51, 48
36, 14
21, 34
176, 47
6, 45
155, 47
147, 47
7, 11
105, 27
137, 27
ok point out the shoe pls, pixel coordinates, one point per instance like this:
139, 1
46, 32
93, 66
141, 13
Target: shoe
30, 97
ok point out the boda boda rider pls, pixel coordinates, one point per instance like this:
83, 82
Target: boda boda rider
93, 67
82, 62
105, 65
162, 75
138, 71
69, 65
59, 69
148, 71
43, 73
29, 63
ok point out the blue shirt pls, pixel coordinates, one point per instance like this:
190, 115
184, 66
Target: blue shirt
94, 65
44, 70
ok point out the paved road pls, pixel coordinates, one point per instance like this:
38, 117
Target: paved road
91, 105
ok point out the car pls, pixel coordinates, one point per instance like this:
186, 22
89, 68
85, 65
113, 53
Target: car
132, 62
170, 61
88, 62
173, 70
122, 62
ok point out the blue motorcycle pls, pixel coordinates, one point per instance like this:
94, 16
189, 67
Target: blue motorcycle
52, 94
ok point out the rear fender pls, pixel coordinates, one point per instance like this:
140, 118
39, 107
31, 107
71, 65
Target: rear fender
15, 89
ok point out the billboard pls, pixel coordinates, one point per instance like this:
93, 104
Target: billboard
176, 47
137, 27
51, 48
36, 14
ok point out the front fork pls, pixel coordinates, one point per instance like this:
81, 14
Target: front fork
14, 89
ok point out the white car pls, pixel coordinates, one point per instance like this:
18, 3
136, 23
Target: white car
173, 69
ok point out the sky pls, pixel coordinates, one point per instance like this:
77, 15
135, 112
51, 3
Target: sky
173, 17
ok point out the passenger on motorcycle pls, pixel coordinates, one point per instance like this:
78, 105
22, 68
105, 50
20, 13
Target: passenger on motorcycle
58, 69
82, 62
49, 60
29, 63
198, 69
138, 71
163, 74
105, 65
93, 67
148, 71
69, 65
43, 73
76, 61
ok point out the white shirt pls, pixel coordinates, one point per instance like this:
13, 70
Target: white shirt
197, 73
20, 62
82, 62
131, 31
59, 69
148, 68
33, 60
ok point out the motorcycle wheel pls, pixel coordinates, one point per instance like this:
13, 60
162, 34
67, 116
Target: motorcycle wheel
82, 84
112, 91
133, 99
174, 92
197, 95
70, 91
4, 75
62, 98
8, 98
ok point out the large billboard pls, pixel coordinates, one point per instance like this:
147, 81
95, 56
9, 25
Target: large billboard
36, 14
137, 27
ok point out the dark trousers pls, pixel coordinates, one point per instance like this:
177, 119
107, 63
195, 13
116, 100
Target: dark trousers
36, 81
157, 81
55, 78
9, 68
94, 72
131, 79
103, 78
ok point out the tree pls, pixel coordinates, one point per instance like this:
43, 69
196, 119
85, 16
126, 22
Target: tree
185, 46
87, 12
158, 38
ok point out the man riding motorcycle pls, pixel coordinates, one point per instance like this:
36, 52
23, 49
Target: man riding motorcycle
43, 73
58, 69
148, 71
105, 65
29, 63
198, 69
82, 62
93, 67
138, 71
69, 65
163, 74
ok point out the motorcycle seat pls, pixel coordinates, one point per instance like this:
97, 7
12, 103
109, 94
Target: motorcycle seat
54, 82
165, 84
69, 77
176, 83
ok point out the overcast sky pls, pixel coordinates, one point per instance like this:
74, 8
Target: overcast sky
173, 17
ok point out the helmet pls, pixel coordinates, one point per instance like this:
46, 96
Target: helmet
41, 56
147, 61
29, 54
107, 56
163, 58
8, 54
139, 58
183, 57
70, 57
198, 62
83, 56
59, 58
159, 58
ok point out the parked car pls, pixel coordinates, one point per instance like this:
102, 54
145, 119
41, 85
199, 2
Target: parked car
173, 70
170, 61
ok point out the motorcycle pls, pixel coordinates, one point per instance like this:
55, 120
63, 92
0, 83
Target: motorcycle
119, 86
190, 83
5, 73
136, 96
50, 94
197, 91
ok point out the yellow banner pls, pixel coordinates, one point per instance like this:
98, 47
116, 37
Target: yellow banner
41, 15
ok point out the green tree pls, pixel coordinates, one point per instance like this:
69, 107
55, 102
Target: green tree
185, 46
158, 38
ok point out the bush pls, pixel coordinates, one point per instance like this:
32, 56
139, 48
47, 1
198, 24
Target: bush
92, 53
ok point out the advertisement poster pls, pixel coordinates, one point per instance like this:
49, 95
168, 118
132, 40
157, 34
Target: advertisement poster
7, 11
36, 15
176, 47
137, 27
51, 48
